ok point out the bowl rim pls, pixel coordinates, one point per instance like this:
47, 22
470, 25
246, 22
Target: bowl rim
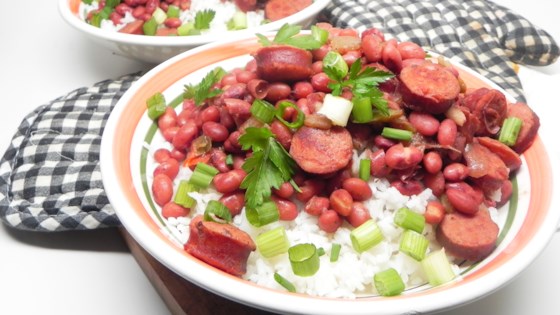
439, 298
180, 41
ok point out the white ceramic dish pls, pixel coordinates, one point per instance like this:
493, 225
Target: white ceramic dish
525, 229
156, 49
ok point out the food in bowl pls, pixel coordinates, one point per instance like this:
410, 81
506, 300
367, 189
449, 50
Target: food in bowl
338, 169
185, 17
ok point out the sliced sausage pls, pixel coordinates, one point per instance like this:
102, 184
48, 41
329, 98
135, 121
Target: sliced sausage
223, 246
529, 128
134, 27
428, 87
283, 63
278, 9
510, 157
485, 165
488, 109
320, 151
470, 237
246, 5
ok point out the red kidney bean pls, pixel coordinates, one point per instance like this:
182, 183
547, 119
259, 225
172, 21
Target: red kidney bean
341, 201
237, 91
434, 213
161, 155
392, 57
238, 108
351, 56
177, 154
378, 166
506, 190
233, 142
251, 65
317, 67
170, 133
228, 80
282, 132
373, 31
216, 131
173, 22
115, 18
303, 105
302, 89
463, 197
317, 121
321, 52
314, 101
234, 201
320, 82
168, 119
185, 135
335, 181
210, 113
278, 91
151, 6
410, 50
285, 191
218, 159
287, 210
162, 189
408, 187
372, 47
317, 205
257, 88
424, 123
455, 172
230, 181
436, 182
309, 188
173, 210
138, 12
123, 9
447, 132
185, 116
358, 188
432, 162
238, 162
164, 6
329, 221
226, 119
400, 157
245, 76
358, 215
383, 143
131, 3
169, 167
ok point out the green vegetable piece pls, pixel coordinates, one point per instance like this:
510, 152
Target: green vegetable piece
173, 11
410, 220
362, 112
150, 27
335, 252
304, 259
284, 282
288, 35
203, 18
414, 244
510, 131
397, 134
217, 212
263, 111
263, 214
182, 195
388, 282
366, 236
335, 64
300, 118
437, 268
273, 242
238, 21
365, 169
205, 89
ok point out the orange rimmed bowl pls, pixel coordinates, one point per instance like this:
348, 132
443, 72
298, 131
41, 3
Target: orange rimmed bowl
527, 223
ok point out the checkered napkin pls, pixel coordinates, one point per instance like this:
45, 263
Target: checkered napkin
50, 178
479, 34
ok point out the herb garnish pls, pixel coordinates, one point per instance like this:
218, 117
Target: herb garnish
269, 167
203, 18
286, 35
204, 90
362, 82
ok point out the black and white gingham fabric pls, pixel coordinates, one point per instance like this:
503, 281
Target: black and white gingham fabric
479, 34
50, 178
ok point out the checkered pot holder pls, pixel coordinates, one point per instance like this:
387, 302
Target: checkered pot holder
50, 178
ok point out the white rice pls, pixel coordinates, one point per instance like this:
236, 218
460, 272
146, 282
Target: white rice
352, 275
224, 12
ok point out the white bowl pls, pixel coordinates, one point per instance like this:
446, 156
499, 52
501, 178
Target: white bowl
156, 49
526, 227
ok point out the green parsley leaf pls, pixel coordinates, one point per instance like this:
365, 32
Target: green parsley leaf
203, 18
288, 35
204, 90
269, 167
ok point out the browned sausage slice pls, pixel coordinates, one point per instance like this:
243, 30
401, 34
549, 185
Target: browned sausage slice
428, 87
470, 237
320, 151
246, 5
223, 246
529, 128
134, 27
279, 9
510, 157
488, 109
283, 63
486, 166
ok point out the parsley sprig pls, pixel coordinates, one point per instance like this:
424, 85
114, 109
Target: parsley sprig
362, 83
204, 90
269, 166
289, 35
203, 18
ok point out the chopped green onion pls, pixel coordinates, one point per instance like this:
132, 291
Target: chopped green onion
159, 15
388, 282
263, 214
335, 252
437, 268
510, 130
272, 243
364, 171
150, 26
414, 244
187, 29
410, 220
304, 259
397, 134
284, 282
280, 115
217, 212
238, 21
319, 34
362, 112
156, 105
263, 111
366, 236
173, 11
295, 185
334, 62
87, 1
337, 109
112, 3
203, 175
182, 197
229, 160
156, 99
320, 251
